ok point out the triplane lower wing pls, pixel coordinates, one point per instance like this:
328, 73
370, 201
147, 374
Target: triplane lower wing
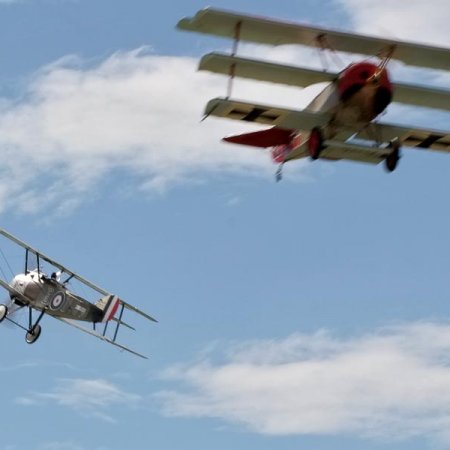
48, 294
342, 121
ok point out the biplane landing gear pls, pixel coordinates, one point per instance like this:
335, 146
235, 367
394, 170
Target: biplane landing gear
3, 312
34, 330
33, 334
392, 159
315, 143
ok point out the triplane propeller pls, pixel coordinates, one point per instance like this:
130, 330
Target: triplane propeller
339, 122
48, 294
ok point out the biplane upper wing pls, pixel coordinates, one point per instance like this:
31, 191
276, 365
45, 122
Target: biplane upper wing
99, 336
71, 274
51, 261
274, 32
267, 115
301, 77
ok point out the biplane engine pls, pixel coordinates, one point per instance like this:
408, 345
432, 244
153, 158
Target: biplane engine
29, 285
369, 77
21, 284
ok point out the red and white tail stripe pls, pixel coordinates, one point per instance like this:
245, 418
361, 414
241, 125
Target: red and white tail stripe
111, 304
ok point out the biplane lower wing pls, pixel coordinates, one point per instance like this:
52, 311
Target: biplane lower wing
275, 32
266, 115
100, 336
301, 77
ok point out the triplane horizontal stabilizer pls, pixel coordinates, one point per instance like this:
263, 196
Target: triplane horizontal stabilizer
48, 295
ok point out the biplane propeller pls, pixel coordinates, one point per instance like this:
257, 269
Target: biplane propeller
340, 123
48, 294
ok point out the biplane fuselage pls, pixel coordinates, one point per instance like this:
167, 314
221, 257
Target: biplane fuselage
46, 293
34, 290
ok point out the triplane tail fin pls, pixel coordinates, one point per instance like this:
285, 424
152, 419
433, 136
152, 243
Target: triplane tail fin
109, 305
265, 138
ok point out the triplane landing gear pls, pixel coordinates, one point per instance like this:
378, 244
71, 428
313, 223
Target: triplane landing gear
393, 158
315, 143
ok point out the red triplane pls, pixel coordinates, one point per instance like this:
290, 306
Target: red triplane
339, 122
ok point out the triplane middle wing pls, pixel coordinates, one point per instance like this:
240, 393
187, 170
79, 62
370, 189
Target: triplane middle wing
341, 122
48, 293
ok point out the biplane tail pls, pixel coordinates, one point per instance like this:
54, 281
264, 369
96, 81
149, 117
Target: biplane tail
109, 305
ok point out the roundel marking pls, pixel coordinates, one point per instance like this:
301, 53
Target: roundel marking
57, 301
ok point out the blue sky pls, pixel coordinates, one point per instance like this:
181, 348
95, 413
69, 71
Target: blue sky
311, 313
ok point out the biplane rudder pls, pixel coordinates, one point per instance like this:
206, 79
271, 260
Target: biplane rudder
109, 305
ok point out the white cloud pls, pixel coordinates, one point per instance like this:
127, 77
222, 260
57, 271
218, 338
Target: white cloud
135, 113
415, 20
136, 116
393, 383
90, 397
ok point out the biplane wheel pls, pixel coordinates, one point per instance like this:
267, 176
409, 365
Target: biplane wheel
3, 312
315, 143
392, 159
33, 335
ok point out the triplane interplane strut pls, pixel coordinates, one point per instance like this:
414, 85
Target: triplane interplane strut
340, 122
47, 294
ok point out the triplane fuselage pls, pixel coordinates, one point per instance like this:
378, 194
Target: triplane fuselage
341, 122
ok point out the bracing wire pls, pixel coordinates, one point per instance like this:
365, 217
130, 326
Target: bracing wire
7, 263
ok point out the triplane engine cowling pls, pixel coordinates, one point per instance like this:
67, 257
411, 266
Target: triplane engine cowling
358, 76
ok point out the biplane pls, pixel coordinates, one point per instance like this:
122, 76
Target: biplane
341, 122
49, 294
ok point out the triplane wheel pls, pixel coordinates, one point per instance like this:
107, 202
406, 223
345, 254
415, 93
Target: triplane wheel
315, 143
392, 159
3, 312
33, 334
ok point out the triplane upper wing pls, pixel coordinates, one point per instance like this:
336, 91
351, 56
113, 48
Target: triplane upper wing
45, 293
275, 32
